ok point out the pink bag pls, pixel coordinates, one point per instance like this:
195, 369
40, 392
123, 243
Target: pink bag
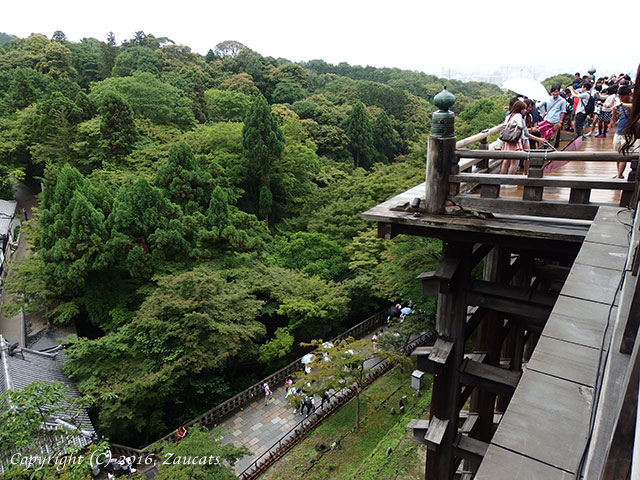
546, 129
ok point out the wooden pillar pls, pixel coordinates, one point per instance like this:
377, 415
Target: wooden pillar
488, 340
450, 322
440, 159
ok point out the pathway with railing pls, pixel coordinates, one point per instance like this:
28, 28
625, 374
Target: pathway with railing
270, 430
248, 421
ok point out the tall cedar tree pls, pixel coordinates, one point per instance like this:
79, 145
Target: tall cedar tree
116, 126
360, 134
262, 143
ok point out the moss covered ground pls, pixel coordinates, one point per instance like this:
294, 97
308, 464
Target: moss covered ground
363, 454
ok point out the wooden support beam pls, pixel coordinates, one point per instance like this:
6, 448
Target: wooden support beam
509, 299
474, 321
470, 449
487, 377
509, 206
420, 427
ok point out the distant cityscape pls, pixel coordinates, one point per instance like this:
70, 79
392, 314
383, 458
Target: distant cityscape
498, 76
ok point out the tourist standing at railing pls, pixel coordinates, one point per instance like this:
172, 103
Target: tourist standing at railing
554, 109
632, 130
622, 116
516, 116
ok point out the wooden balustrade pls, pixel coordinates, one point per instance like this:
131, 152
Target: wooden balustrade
470, 172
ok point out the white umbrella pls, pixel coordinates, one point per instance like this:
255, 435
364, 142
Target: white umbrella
528, 87
308, 358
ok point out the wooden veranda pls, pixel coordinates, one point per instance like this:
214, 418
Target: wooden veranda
549, 389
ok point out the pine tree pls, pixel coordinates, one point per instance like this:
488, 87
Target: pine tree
360, 134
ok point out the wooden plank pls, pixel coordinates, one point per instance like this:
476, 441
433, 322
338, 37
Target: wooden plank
602, 255
493, 379
490, 191
592, 283
567, 360
508, 206
547, 420
502, 464
579, 195
586, 183
608, 227
436, 431
577, 320
441, 351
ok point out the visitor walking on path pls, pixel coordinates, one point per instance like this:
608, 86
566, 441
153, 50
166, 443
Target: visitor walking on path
268, 395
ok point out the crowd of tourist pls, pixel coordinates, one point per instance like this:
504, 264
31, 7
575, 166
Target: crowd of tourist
601, 106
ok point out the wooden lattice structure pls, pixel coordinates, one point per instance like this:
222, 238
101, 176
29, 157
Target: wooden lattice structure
557, 296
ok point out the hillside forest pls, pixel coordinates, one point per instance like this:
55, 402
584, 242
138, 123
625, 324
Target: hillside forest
199, 216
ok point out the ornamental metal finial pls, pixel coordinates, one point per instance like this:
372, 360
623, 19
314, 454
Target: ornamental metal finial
442, 119
444, 100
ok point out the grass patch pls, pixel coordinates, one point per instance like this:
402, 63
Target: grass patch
362, 453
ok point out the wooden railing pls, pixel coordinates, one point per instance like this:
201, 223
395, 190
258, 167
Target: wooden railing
470, 170
212, 417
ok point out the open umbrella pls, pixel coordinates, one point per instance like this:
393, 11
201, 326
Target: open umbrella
308, 358
526, 86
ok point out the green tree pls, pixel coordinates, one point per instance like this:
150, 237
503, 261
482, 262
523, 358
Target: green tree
182, 179
150, 98
227, 105
385, 138
215, 460
360, 134
263, 143
312, 254
25, 413
350, 363
117, 127
156, 371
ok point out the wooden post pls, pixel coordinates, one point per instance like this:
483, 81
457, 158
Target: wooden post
450, 322
440, 154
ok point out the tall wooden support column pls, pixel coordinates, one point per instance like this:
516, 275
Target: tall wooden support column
440, 154
488, 341
450, 323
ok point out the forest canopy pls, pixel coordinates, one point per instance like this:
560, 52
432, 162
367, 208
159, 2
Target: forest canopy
200, 215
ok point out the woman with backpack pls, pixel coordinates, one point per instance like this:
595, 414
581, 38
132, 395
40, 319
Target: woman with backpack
514, 134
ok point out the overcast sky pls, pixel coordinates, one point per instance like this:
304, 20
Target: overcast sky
429, 36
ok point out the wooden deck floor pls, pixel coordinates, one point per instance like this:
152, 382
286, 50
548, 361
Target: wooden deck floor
580, 169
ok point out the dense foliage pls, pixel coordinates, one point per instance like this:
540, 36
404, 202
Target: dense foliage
201, 214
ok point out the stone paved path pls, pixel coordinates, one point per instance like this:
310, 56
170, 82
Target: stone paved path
11, 327
259, 426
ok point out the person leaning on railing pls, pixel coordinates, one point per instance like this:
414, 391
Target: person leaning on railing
632, 130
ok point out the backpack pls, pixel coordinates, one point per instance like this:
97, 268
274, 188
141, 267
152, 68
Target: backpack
590, 106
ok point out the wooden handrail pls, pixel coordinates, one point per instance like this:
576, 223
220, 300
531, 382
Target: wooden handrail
566, 156
478, 137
